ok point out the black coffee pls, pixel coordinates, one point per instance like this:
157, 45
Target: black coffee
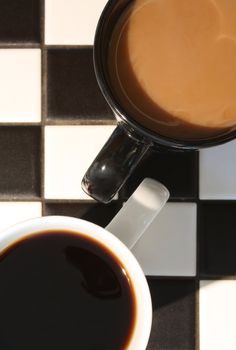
61, 291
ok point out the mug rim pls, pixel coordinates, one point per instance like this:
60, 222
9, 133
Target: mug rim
143, 304
124, 117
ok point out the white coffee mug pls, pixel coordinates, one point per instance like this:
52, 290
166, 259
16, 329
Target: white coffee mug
132, 220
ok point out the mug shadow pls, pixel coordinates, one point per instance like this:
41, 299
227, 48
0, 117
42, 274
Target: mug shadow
176, 311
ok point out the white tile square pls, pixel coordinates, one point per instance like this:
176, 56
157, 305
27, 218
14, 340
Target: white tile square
13, 212
72, 22
20, 85
69, 151
168, 248
218, 172
217, 315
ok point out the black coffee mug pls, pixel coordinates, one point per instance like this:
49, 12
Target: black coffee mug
130, 140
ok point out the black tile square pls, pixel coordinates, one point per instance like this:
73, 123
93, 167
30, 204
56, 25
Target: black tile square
97, 213
20, 21
72, 89
20, 161
178, 171
173, 325
217, 238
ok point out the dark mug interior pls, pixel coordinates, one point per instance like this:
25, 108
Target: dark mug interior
107, 22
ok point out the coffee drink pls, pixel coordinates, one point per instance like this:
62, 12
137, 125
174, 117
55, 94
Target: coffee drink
61, 290
172, 66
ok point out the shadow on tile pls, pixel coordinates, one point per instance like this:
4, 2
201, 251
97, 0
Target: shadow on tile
217, 238
176, 170
173, 314
97, 213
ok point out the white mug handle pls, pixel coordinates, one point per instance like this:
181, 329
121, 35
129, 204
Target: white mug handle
138, 212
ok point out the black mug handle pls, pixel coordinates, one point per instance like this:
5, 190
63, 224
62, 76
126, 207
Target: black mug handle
113, 165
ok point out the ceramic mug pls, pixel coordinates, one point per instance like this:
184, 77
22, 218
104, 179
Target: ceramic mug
149, 192
130, 140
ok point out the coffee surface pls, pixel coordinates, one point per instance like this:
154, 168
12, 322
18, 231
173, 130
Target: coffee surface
61, 291
172, 65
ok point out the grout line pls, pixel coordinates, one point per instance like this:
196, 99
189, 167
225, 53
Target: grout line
42, 22
79, 201
43, 103
66, 122
59, 47
26, 45
44, 86
61, 122
20, 199
43, 118
182, 200
16, 124
197, 280
217, 201
172, 278
42, 166
43, 208
10, 46
199, 227
204, 277
197, 314
197, 174
71, 201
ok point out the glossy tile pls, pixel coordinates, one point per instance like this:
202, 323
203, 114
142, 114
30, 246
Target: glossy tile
168, 248
217, 315
12, 213
20, 85
71, 22
69, 151
217, 172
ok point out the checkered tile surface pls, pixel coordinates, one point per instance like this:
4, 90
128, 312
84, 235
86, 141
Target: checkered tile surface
53, 121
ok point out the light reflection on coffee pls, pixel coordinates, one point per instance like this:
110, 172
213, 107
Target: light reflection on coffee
172, 65
62, 290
